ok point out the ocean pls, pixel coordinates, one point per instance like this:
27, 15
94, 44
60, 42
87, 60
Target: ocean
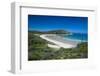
81, 37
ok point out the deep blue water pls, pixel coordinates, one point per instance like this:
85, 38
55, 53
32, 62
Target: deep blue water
77, 37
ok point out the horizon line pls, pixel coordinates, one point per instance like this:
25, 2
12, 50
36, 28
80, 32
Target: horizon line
56, 30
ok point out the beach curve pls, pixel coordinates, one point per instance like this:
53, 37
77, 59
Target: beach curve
59, 41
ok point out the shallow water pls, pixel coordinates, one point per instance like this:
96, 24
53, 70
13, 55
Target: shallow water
77, 37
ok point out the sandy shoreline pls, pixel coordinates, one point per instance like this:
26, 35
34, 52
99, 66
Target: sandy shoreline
59, 41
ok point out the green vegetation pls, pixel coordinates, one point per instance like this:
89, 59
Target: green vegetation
38, 50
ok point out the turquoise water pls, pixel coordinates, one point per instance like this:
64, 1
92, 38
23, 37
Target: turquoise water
77, 37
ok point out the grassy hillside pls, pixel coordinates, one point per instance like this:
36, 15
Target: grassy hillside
38, 50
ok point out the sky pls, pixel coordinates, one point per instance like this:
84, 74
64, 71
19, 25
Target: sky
67, 23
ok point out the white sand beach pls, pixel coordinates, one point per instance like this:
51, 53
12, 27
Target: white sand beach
59, 41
